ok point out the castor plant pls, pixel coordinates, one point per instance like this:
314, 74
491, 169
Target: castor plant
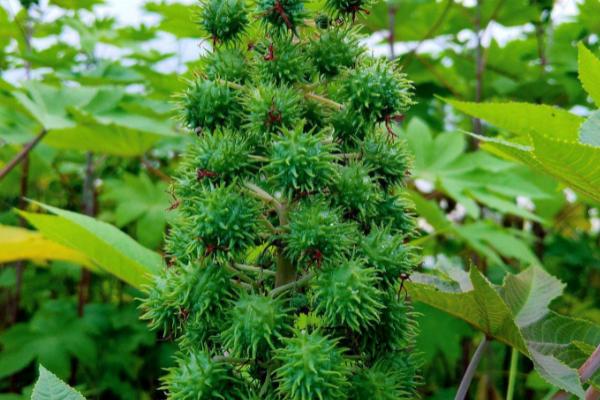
287, 264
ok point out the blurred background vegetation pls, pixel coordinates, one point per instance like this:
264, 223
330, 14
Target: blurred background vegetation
99, 90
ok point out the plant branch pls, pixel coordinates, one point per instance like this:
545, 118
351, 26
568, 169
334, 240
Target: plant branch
463, 389
292, 285
325, 101
155, 171
251, 268
261, 194
587, 369
592, 394
392, 11
239, 274
22, 154
241, 285
436, 25
309, 95
479, 67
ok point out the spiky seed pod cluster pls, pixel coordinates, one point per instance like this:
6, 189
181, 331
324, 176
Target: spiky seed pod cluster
224, 20
287, 259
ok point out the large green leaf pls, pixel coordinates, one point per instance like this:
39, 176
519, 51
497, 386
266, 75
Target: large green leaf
573, 163
90, 119
470, 177
482, 307
518, 314
589, 73
485, 237
111, 249
142, 201
50, 387
54, 336
525, 119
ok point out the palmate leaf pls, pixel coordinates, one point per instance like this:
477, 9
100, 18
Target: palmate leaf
517, 314
485, 237
524, 119
548, 139
142, 201
482, 306
54, 336
50, 387
471, 178
108, 247
90, 119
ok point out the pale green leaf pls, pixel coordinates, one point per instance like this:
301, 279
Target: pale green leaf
50, 387
556, 344
590, 130
481, 307
529, 293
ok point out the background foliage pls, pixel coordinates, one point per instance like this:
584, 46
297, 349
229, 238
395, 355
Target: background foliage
99, 93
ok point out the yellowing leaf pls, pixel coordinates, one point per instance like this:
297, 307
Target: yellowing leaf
23, 244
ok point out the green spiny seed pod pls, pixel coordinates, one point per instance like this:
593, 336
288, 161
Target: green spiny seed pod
198, 376
225, 221
387, 159
377, 91
387, 253
334, 50
317, 233
379, 382
223, 20
395, 330
301, 162
312, 367
356, 192
282, 15
396, 211
280, 60
348, 7
322, 21
288, 251
207, 105
228, 64
181, 245
346, 295
348, 127
257, 323
219, 157
202, 291
270, 108
161, 315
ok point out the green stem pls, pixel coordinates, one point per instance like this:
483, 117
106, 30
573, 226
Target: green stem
325, 101
286, 272
291, 285
251, 268
239, 274
512, 375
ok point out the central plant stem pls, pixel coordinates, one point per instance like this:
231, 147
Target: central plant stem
286, 272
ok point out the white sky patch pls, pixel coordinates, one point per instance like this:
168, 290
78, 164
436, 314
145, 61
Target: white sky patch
132, 13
